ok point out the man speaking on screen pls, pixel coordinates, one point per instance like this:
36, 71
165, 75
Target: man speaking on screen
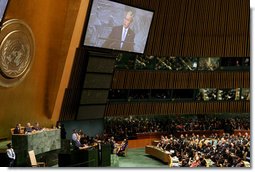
122, 37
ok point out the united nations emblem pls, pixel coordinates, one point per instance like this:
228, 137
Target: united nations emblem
16, 52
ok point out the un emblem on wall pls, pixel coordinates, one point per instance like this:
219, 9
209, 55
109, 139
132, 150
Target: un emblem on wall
16, 52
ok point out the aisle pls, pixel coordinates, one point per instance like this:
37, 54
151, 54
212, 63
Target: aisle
137, 158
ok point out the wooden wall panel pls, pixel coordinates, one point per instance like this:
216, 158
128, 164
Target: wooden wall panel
33, 100
176, 108
198, 27
218, 28
203, 28
180, 79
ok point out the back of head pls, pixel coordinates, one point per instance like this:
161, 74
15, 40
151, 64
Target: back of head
9, 145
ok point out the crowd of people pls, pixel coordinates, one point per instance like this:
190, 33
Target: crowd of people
158, 63
213, 151
202, 94
211, 94
186, 150
117, 148
147, 62
122, 127
81, 141
19, 129
27, 129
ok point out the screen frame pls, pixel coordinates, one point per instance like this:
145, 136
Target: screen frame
4, 11
102, 49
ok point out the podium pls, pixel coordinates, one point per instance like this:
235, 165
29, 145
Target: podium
40, 141
105, 155
92, 157
79, 158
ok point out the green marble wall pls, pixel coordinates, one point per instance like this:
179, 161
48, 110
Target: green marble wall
40, 142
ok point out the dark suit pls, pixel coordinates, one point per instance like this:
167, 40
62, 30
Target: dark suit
36, 128
114, 39
17, 131
28, 130
122, 149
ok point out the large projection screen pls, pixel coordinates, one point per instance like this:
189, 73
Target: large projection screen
107, 21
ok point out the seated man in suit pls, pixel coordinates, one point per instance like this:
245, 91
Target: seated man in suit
121, 149
28, 129
17, 129
36, 127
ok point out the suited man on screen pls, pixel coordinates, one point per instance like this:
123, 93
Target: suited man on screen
122, 37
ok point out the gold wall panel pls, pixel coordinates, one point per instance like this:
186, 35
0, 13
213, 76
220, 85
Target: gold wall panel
52, 23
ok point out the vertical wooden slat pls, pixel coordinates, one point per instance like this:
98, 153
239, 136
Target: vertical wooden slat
198, 27
180, 79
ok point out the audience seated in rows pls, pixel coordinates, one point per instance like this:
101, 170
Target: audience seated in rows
214, 151
123, 127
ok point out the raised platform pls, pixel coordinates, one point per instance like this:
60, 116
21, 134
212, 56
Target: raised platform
41, 142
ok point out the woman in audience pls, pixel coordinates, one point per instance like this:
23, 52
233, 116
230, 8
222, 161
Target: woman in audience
122, 147
227, 152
